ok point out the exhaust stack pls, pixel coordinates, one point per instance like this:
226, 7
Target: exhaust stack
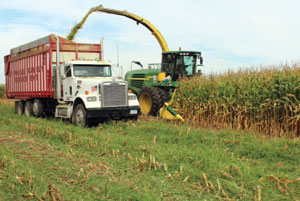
58, 84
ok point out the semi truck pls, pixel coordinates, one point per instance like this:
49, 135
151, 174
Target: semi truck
53, 75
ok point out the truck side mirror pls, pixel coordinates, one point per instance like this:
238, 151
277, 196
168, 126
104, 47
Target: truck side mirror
62, 71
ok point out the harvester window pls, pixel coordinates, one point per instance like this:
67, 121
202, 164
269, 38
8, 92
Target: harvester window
179, 61
189, 62
167, 63
180, 67
185, 65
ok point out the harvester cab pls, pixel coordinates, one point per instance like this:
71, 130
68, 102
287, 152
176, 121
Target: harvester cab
181, 63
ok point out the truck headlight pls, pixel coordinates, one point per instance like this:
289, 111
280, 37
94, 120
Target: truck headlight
132, 97
91, 98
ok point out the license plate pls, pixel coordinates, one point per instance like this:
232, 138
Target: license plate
133, 111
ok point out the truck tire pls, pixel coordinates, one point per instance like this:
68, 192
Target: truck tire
28, 108
37, 108
20, 108
150, 101
79, 116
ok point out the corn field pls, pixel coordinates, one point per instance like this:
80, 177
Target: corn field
265, 101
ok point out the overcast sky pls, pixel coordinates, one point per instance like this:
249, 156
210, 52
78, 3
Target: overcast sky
231, 34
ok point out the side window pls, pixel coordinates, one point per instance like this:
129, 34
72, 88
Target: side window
179, 61
68, 71
167, 62
189, 63
107, 71
189, 70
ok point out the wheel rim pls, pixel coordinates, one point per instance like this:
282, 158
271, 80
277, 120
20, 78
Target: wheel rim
79, 117
145, 103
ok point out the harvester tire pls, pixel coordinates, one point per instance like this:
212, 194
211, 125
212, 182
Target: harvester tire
150, 101
164, 96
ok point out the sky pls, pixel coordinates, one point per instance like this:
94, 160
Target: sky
231, 34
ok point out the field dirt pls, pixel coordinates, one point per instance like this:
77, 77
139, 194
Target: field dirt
6, 101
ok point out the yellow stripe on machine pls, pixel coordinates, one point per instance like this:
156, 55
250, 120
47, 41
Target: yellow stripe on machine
147, 78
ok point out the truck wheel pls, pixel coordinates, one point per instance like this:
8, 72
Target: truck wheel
79, 116
37, 108
150, 102
28, 108
20, 108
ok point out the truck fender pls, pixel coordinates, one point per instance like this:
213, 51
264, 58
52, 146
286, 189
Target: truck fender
77, 101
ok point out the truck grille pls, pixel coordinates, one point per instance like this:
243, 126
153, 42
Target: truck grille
114, 94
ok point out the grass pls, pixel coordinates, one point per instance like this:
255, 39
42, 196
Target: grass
47, 159
2, 91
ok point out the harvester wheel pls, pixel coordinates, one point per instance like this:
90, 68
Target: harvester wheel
150, 101
164, 96
28, 108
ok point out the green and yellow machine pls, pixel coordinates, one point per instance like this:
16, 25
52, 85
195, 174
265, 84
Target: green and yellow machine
156, 86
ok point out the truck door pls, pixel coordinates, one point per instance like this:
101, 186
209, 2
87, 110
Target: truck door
67, 84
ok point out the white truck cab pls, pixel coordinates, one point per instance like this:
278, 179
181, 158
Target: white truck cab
88, 91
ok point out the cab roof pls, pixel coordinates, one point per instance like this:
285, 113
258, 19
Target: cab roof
89, 62
181, 51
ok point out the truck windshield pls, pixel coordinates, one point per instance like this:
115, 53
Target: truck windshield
92, 71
